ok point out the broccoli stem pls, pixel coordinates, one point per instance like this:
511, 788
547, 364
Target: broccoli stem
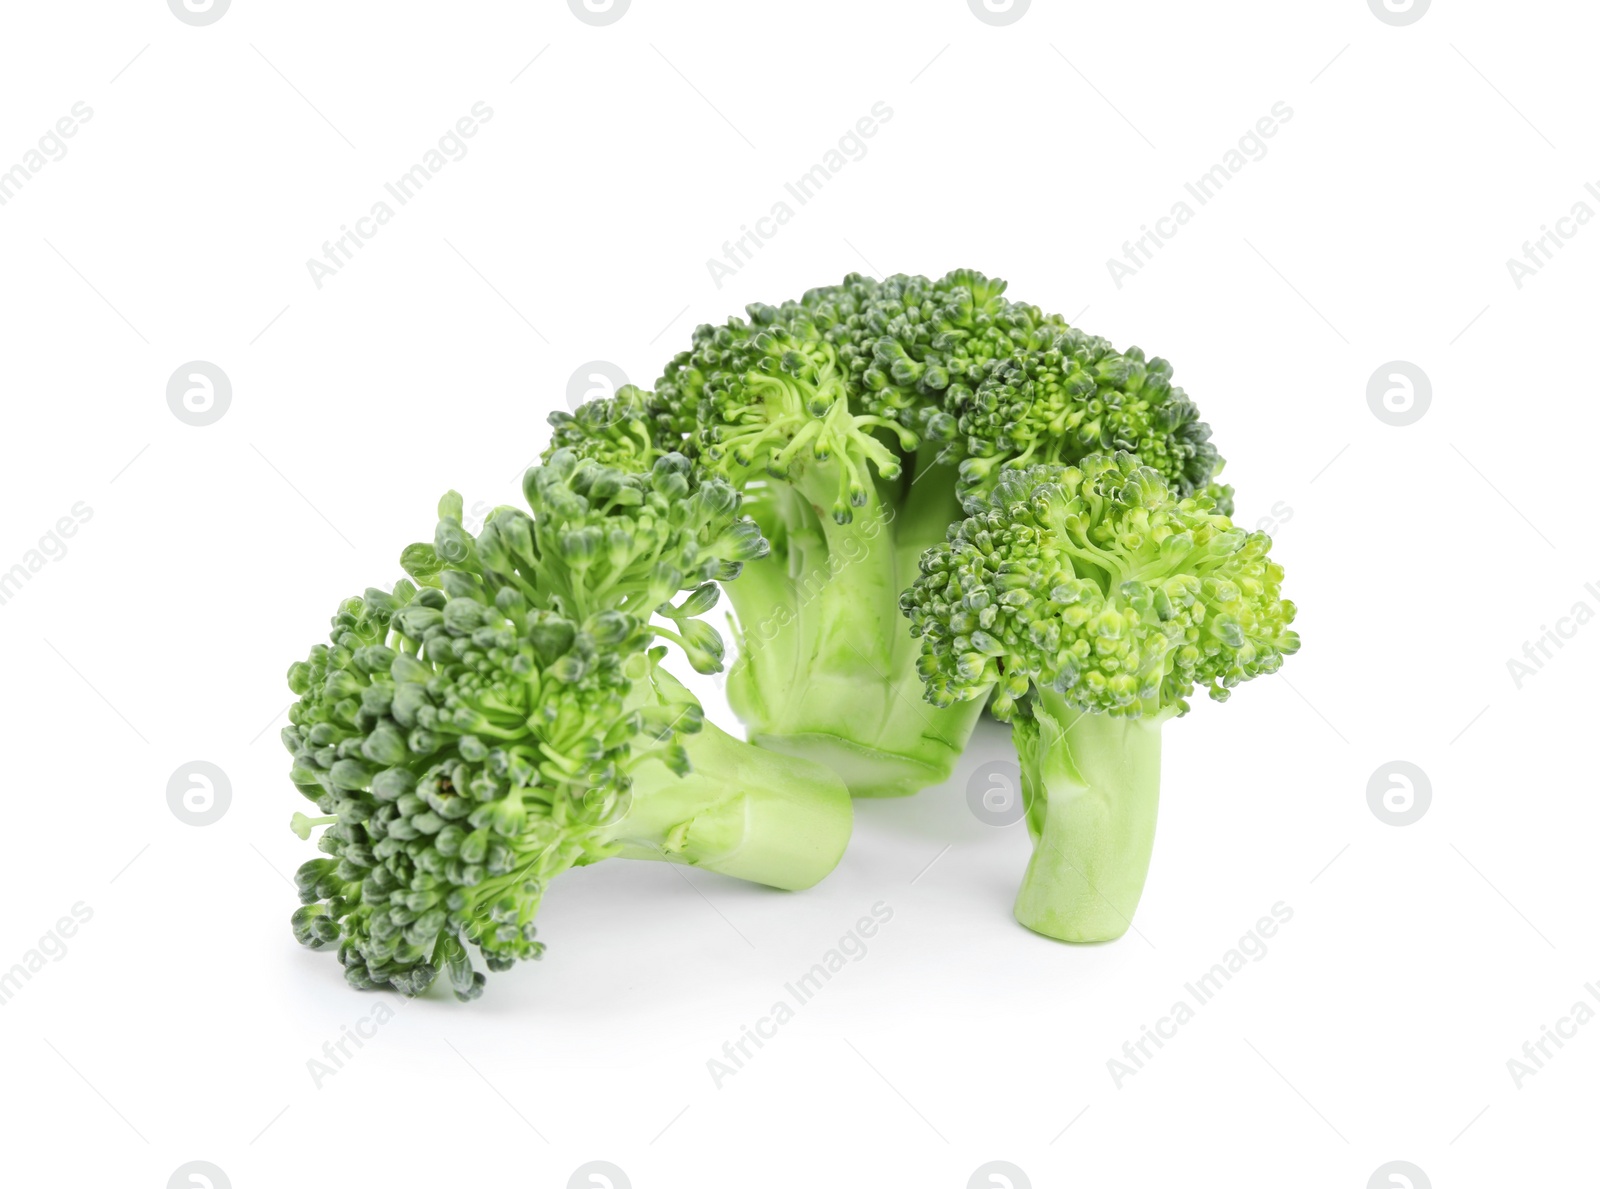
740, 811
928, 508
847, 575
827, 666
1091, 783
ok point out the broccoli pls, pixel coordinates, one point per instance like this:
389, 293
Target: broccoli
829, 414
504, 715
1089, 601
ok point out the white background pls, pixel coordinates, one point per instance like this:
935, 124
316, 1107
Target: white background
179, 1023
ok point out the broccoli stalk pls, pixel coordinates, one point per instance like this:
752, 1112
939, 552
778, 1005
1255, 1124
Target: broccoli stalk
825, 668
739, 811
1090, 783
505, 717
1089, 602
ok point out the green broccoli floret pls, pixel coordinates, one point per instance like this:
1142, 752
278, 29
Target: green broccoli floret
470, 735
1081, 396
913, 346
1090, 601
628, 431
830, 412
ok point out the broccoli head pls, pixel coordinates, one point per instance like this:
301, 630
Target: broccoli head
832, 413
504, 715
1090, 602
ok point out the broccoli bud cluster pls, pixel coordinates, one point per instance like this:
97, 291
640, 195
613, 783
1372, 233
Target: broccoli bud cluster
1100, 583
910, 343
1081, 396
627, 431
861, 372
471, 737
869, 371
773, 396
412, 733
